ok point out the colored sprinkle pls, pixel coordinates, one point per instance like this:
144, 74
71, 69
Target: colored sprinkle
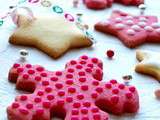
33, 1
1, 22
46, 3
69, 17
79, 19
89, 35
57, 9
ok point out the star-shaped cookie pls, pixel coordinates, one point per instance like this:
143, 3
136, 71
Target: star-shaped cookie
131, 30
53, 35
149, 63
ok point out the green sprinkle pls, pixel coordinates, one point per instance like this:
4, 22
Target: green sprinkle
57, 9
1, 22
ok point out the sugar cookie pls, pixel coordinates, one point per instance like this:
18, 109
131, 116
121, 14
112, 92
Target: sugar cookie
52, 35
149, 63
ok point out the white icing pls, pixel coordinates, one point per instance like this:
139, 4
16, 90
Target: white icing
143, 19
136, 28
120, 26
131, 32
142, 24
156, 25
129, 17
118, 20
129, 22
158, 30
149, 28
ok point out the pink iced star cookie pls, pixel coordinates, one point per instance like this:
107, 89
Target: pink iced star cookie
131, 30
76, 93
101, 4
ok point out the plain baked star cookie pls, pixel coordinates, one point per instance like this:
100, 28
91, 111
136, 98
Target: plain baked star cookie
149, 63
53, 35
101, 4
76, 93
131, 30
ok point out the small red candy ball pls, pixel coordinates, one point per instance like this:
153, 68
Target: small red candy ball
110, 53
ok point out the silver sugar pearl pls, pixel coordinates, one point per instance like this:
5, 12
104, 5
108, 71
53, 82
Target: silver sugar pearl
23, 53
142, 8
127, 79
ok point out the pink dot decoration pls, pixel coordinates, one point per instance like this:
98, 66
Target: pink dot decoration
33, 1
69, 17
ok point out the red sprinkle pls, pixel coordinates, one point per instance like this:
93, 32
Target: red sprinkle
110, 53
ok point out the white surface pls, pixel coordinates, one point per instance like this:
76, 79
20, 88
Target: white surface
122, 64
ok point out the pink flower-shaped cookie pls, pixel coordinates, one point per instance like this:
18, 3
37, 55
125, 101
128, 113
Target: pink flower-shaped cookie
75, 93
131, 30
101, 4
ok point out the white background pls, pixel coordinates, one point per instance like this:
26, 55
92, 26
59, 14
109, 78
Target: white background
122, 64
